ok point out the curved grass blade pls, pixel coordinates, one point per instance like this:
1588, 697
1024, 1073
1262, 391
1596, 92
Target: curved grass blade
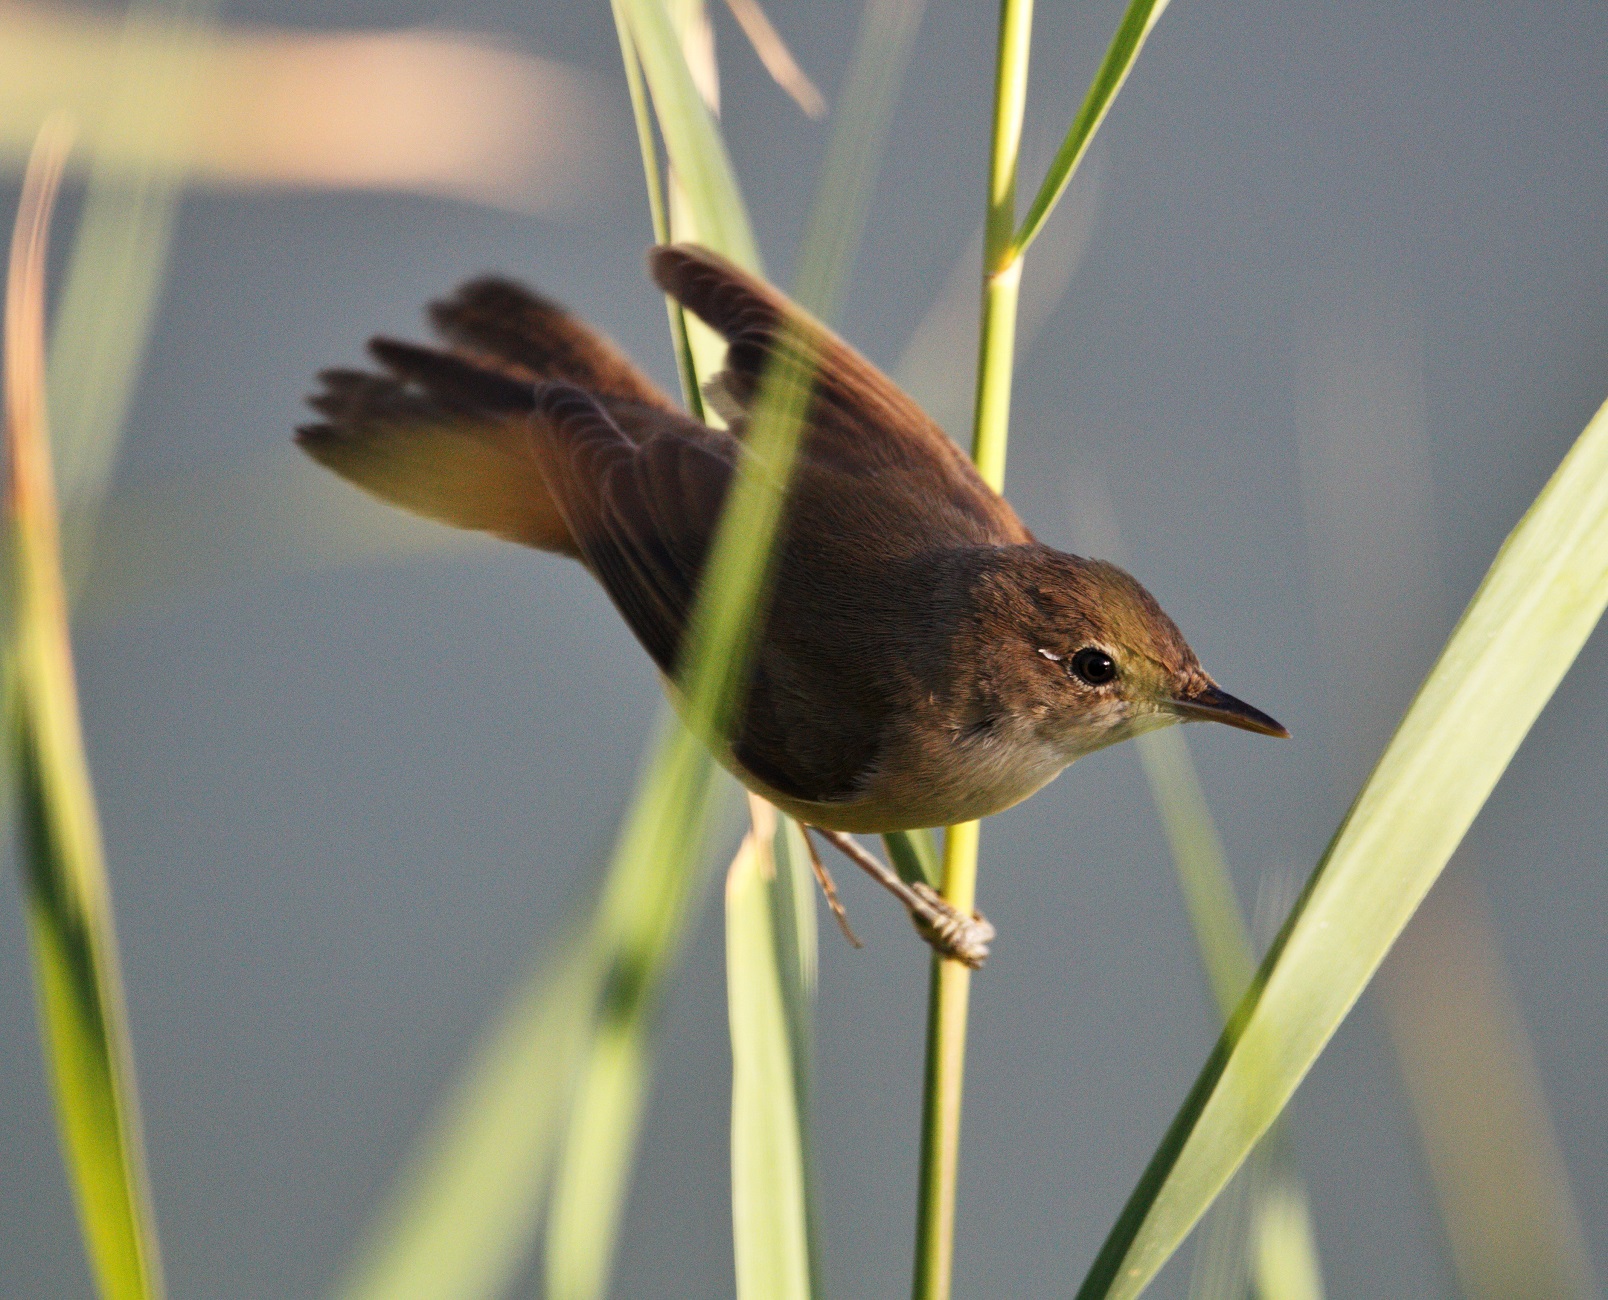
777, 58
1141, 16
119, 259
769, 1183
1541, 598
82, 1014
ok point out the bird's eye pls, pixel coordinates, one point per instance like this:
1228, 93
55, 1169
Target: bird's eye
1094, 666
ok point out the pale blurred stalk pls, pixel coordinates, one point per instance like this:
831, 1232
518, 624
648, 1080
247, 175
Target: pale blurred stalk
1498, 1170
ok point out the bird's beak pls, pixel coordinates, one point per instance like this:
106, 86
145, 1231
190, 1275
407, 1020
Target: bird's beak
1214, 705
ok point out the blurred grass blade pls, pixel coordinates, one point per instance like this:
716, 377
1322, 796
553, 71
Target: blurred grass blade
658, 866
769, 1186
915, 856
119, 261
1494, 1157
1538, 603
1114, 68
1284, 1264
660, 854
656, 875
1197, 851
1219, 1269
1266, 1231
82, 1013
608, 993
461, 1220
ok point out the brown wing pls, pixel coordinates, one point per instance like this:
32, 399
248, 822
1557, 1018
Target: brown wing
860, 423
642, 509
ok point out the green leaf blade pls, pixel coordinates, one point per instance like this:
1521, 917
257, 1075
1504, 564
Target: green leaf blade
1540, 600
82, 1015
769, 1187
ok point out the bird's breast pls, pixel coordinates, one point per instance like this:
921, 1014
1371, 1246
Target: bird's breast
938, 780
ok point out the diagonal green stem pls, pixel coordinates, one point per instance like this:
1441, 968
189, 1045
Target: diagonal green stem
642, 114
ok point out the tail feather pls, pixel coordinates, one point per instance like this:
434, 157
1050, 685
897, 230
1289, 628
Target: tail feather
445, 433
452, 381
505, 324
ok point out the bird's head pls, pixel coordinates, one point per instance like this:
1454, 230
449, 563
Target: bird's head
1096, 658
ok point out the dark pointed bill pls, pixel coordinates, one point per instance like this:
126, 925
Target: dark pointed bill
1214, 705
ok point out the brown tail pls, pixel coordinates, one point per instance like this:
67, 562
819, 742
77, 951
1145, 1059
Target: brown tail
444, 433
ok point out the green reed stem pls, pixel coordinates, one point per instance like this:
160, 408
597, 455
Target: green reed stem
950, 988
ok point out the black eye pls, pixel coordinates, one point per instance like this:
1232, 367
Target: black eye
1094, 666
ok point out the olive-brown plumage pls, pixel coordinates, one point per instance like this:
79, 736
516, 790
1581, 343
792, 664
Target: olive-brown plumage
924, 660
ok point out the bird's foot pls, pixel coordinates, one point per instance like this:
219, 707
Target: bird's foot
948, 930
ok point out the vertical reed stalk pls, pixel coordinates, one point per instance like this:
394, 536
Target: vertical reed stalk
950, 988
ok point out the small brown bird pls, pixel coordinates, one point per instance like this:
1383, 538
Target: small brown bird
924, 661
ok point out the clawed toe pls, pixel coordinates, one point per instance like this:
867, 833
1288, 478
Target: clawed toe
949, 931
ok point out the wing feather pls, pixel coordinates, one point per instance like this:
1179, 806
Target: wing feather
860, 422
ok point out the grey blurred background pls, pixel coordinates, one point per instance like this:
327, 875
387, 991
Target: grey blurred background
1340, 304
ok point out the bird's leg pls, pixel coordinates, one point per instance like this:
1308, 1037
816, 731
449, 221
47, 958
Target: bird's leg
945, 928
829, 888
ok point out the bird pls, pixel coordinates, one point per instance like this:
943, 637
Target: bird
924, 660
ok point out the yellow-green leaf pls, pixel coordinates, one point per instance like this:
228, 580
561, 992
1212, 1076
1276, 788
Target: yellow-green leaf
769, 1187
1542, 596
83, 1019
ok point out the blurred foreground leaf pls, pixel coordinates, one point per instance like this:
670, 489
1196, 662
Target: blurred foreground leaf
422, 112
119, 262
461, 1218
661, 849
1537, 605
1496, 1163
765, 991
82, 1014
